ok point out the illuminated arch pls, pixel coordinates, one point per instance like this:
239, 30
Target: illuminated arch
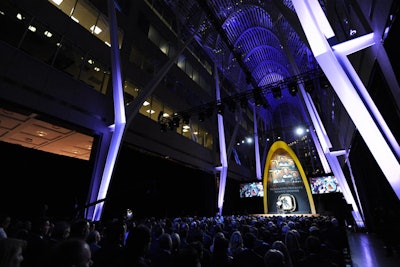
274, 190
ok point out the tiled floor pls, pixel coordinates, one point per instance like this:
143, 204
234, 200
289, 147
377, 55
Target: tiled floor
367, 250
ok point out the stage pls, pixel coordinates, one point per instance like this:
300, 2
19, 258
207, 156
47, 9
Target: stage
286, 215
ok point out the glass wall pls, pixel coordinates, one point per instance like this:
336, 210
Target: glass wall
43, 43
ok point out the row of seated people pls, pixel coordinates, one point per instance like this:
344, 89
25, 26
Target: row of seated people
236, 240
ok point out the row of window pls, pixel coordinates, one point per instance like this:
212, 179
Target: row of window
38, 40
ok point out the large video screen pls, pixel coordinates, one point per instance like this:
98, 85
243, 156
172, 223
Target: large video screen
251, 189
324, 184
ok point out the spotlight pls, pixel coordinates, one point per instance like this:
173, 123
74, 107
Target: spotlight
293, 88
175, 121
171, 125
323, 82
220, 108
277, 92
309, 86
186, 118
163, 127
258, 99
160, 116
202, 116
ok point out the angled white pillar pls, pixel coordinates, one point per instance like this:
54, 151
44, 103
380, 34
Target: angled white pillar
118, 127
222, 148
329, 157
256, 145
347, 84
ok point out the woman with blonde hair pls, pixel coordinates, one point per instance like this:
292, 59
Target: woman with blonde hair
235, 243
281, 246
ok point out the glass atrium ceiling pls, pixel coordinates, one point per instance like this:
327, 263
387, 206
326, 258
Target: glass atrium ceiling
260, 46
257, 45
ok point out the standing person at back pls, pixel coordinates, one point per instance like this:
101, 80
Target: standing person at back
5, 221
38, 247
111, 249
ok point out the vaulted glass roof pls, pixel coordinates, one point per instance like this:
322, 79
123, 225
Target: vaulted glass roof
255, 44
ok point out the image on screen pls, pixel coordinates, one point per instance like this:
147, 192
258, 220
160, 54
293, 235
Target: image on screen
251, 189
324, 184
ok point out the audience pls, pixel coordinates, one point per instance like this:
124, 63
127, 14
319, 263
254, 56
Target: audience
93, 240
163, 257
71, 252
281, 246
112, 245
235, 243
38, 243
315, 256
236, 240
274, 258
137, 247
248, 257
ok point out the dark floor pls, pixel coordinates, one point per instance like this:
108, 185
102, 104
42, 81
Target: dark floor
368, 250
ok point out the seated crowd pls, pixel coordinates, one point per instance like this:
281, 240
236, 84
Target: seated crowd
235, 240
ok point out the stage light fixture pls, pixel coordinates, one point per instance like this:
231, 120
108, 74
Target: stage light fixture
258, 99
220, 108
309, 86
163, 127
186, 118
293, 88
175, 121
323, 82
202, 116
277, 92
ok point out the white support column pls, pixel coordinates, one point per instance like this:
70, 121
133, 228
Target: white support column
347, 86
329, 157
222, 147
256, 146
119, 113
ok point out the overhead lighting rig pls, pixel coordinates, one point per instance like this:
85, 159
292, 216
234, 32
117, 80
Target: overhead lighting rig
257, 95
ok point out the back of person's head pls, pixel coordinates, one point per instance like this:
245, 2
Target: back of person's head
274, 258
176, 242
312, 244
249, 240
165, 241
196, 234
62, 230
292, 240
80, 228
279, 245
72, 252
188, 257
138, 240
114, 232
157, 230
236, 240
94, 236
221, 245
41, 225
5, 220
11, 252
